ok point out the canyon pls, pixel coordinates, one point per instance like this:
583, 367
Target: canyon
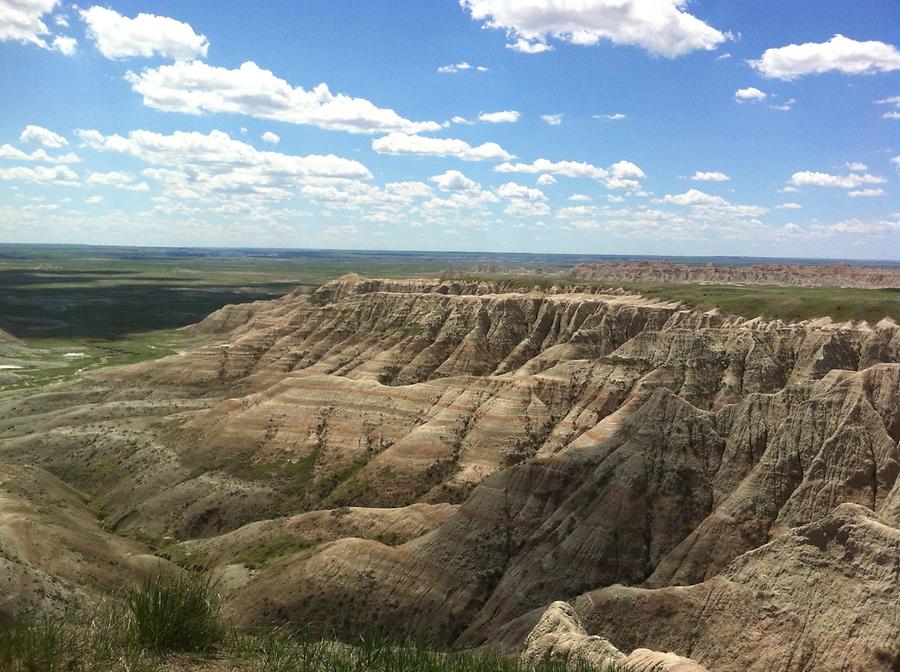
547, 471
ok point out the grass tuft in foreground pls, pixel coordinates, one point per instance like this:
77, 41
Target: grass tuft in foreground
176, 614
175, 623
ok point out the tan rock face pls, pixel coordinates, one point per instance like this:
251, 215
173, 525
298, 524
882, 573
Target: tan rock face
560, 637
797, 275
688, 481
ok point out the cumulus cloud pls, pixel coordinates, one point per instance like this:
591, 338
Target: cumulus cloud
462, 66
661, 27
118, 36
839, 54
580, 198
193, 165
620, 175
512, 190
93, 200
117, 180
865, 193
528, 46
788, 206
711, 176
37, 135
856, 166
564, 168
453, 180
270, 137
546, 180
694, 197
195, 87
22, 21
750, 94
67, 46
503, 117
401, 144
815, 179
709, 206
553, 119
60, 175
16, 154
618, 116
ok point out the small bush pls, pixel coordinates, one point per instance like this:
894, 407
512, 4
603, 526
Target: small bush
180, 613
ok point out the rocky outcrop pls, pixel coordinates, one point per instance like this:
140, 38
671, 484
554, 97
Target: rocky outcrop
560, 637
686, 480
797, 275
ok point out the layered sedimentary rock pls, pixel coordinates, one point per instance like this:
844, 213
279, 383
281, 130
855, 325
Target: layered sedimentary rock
795, 275
692, 482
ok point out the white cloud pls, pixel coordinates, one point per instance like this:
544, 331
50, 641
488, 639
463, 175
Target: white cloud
118, 36
891, 115
839, 54
524, 208
117, 180
416, 145
553, 119
67, 46
564, 168
865, 193
856, 166
580, 198
618, 116
195, 87
21, 21
546, 180
519, 191
851, 181
711, 176
216, 167
408, 190
788, 206
453, 180
529, 46
620, 175
15, 154
38, 135
61, 175
891, 100
709, 206
786, 106
93, 200
661, 27
694, 197
462, 66
270, 137
750, 94
503, 117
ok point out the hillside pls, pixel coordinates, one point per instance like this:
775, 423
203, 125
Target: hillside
445, 460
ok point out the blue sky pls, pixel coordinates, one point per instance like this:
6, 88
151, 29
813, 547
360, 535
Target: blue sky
598, 126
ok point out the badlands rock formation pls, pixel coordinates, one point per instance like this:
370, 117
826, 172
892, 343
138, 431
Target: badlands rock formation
796, 275
448, 460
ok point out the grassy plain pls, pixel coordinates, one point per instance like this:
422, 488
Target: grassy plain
76, 308
768, 301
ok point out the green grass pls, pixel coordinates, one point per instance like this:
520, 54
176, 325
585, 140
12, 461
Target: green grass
271, 550
768, 301
179, 613
174, 623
